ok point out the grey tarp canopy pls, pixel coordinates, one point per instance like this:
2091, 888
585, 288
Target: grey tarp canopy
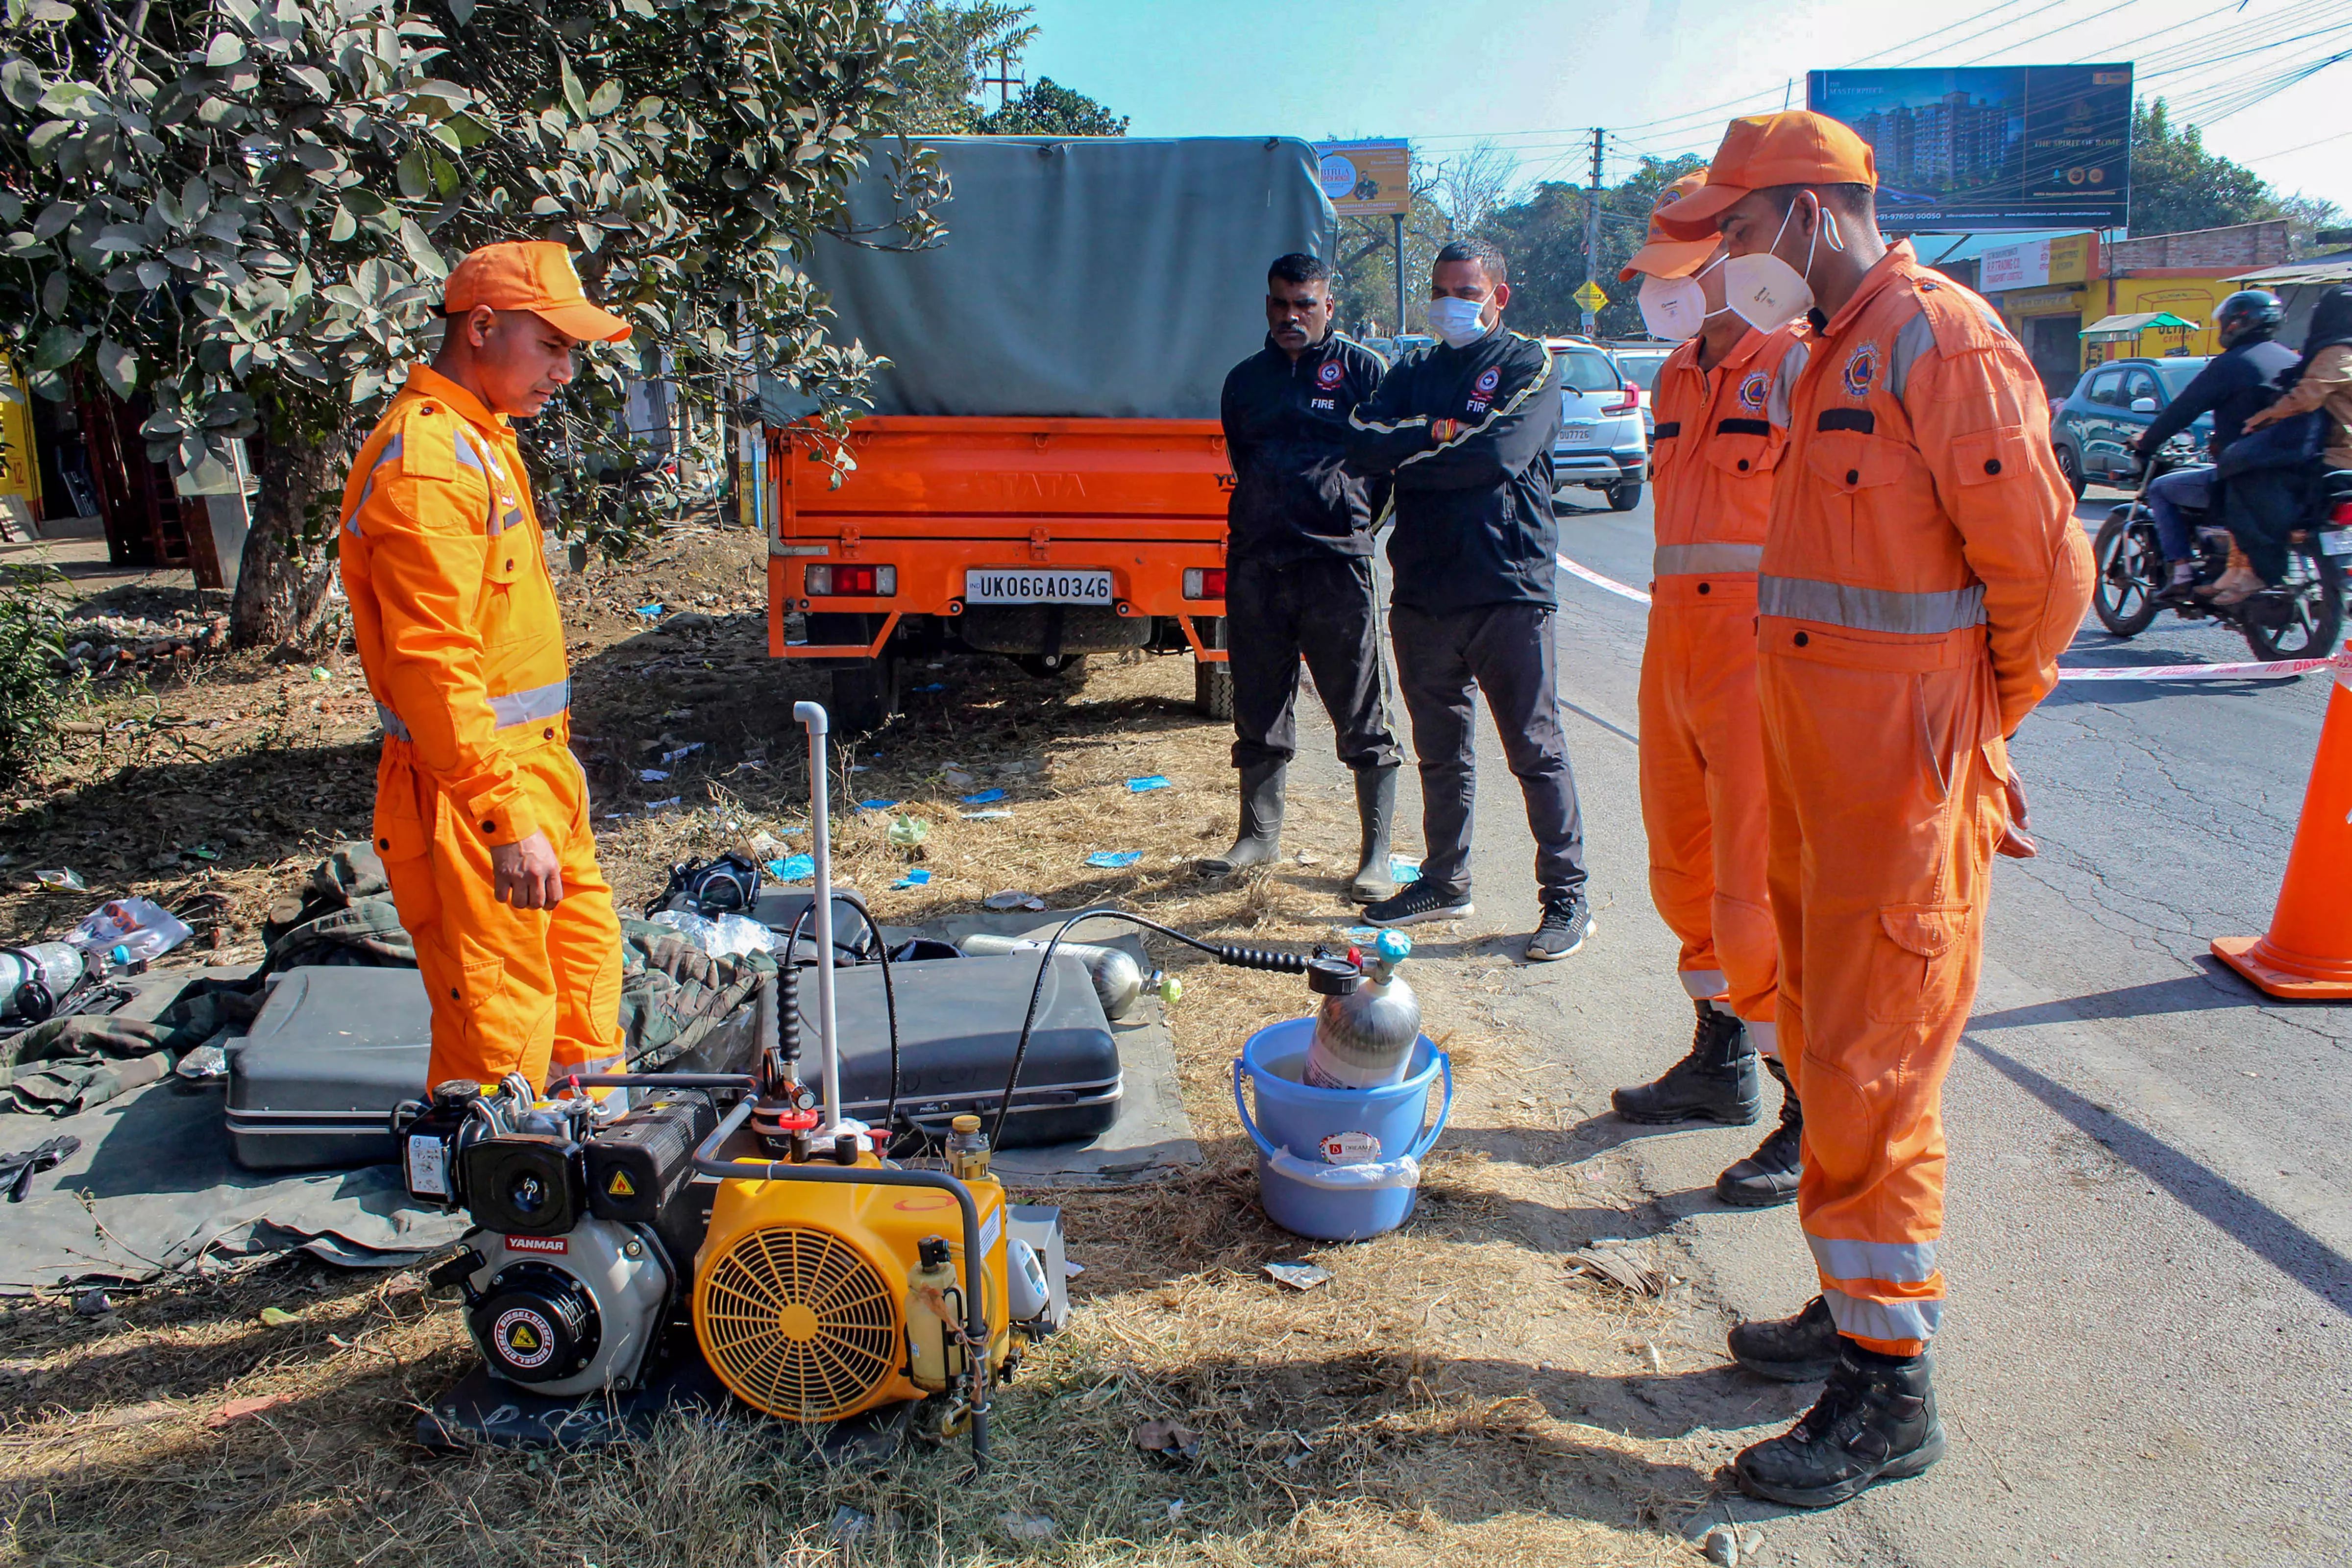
1095, 277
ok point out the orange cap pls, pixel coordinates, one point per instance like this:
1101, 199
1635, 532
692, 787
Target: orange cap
1795, 148
1674, 250
532, 275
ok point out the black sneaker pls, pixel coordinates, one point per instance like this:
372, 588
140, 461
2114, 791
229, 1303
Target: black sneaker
1875, 1421
1567, 922
1419, 901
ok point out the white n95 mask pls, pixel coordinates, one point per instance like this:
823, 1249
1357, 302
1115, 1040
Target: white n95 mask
1675, 309
1458, 322
1767, 292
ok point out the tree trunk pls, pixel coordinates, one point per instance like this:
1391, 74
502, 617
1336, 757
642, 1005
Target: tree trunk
281, 589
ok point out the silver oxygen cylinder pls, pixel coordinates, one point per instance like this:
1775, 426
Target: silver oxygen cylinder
1117, 978
34, 979
1365, 1030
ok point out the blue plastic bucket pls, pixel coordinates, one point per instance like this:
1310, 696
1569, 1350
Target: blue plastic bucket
1338, 1165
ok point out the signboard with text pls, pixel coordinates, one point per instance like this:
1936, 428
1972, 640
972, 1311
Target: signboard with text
1977, 148
1366, 179
2069, 259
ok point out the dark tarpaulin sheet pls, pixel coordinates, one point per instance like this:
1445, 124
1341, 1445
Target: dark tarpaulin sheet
1087, 277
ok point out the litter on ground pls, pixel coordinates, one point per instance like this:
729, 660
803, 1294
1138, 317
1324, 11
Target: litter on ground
1114, 859
983, 797
1152, 782
1013, 902
1297, 1276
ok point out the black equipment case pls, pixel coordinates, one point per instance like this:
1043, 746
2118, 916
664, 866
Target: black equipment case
959, 1022
333, 1049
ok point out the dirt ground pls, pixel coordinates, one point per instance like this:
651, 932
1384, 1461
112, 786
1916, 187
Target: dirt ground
1454, 1386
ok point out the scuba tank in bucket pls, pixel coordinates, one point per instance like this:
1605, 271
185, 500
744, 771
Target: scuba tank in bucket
1365, 1030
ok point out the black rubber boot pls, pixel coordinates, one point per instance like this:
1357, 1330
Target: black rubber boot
1767, 1178
1261, 832
1717, 1082
1376, 808
1788, 1350
1875, 1421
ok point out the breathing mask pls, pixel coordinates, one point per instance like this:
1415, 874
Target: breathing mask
1460, 322
1675, 309
1767, 292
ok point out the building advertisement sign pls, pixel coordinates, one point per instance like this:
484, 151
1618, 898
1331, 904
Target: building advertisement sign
1366, 179
2037, 263
1971, 149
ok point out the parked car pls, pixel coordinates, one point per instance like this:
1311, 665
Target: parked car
1602, 445
1640, 361
2096, 428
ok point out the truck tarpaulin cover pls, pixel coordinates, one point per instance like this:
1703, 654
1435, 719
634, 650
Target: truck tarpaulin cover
1094, 277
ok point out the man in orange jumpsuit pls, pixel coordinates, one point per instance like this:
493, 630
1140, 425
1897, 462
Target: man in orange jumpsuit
1722, 405
481, 812
1922, 572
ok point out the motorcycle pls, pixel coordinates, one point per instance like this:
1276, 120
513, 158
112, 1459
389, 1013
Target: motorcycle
2300, 617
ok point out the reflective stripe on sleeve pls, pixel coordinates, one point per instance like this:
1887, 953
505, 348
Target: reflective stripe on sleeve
1859, 1319
390, 450
1896, 1262
1676, 559
513, 708
1871, 609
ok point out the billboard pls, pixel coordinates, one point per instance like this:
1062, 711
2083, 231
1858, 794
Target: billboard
1366, 179
1978, 148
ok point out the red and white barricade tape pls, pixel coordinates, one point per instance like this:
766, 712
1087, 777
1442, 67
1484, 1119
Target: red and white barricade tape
2254, 671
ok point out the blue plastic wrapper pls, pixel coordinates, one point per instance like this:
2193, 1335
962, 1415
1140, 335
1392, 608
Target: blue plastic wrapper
914, 878
650, 611
876, 805
1114, 859
792, 868
1154, 781
1403, 870
983, 797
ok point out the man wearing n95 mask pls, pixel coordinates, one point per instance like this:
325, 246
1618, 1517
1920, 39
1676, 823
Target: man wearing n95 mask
1722, 406
1922, 572
1466, 425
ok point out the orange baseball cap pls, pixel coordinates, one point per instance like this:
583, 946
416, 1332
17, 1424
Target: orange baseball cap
1674, 250
534, 275
1760, 150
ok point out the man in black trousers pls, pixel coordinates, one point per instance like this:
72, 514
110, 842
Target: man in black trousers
1466, 426
1298, 571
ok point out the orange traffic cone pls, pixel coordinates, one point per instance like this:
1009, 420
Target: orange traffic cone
2308, 953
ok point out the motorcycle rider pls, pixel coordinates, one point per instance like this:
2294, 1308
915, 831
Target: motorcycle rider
2235, 384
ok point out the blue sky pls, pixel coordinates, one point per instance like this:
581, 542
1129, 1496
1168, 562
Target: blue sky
1534, 74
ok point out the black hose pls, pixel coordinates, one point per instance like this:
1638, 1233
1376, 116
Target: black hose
889, 994
1224, 952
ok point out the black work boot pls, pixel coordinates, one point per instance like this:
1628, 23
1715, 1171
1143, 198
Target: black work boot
1767, 1178
1717, 1082
1875, 1421
1261, 831
1788, 1350
1376, 808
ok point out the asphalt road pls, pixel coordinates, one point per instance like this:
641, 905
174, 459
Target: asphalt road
2148, 1356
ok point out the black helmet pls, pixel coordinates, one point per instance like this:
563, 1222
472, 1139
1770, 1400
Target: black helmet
2246, 311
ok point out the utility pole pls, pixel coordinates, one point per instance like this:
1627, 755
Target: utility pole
1398, 218
1592, 228
1003, 82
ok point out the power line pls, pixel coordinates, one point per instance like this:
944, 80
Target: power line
2266, 157
2068, 27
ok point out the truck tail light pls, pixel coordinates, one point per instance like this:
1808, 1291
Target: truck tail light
2342, 518
1632, 400
827, 580
1205, 582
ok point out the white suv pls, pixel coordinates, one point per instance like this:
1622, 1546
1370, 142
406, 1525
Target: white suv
1602, 445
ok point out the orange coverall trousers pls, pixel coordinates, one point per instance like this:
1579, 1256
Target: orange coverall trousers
535, 992
1702, 797
1883, 813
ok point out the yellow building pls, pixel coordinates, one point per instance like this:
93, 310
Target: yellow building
20, 484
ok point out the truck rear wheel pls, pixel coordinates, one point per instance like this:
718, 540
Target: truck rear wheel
865, 695
1213, 689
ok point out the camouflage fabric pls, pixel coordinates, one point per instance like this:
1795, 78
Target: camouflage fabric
343, 915
68, 1065
683, 1009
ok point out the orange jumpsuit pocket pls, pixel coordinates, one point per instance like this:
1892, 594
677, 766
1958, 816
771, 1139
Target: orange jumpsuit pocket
1915, 973
403, 821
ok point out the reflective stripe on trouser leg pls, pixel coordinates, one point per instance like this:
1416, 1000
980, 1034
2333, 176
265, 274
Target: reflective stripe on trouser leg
1764, 1033
1703, 802
1883, 810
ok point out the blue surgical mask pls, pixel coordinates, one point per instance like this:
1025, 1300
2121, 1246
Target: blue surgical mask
1460, 322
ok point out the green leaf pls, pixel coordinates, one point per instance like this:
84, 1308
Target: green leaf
227, 50
53, 294
54, 218
344, 226
463, 10
416, 179
58, 347
574, 99
606, 99
120, 366
21, 82
420, 248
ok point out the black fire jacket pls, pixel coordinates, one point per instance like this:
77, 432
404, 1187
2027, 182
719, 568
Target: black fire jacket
1287, 432
1474, 520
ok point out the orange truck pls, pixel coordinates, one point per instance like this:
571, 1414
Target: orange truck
1044, 475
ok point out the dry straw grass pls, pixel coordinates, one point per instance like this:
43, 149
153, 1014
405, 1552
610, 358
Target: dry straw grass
1449, 1389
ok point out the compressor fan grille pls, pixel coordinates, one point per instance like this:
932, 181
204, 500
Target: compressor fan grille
798, 1323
